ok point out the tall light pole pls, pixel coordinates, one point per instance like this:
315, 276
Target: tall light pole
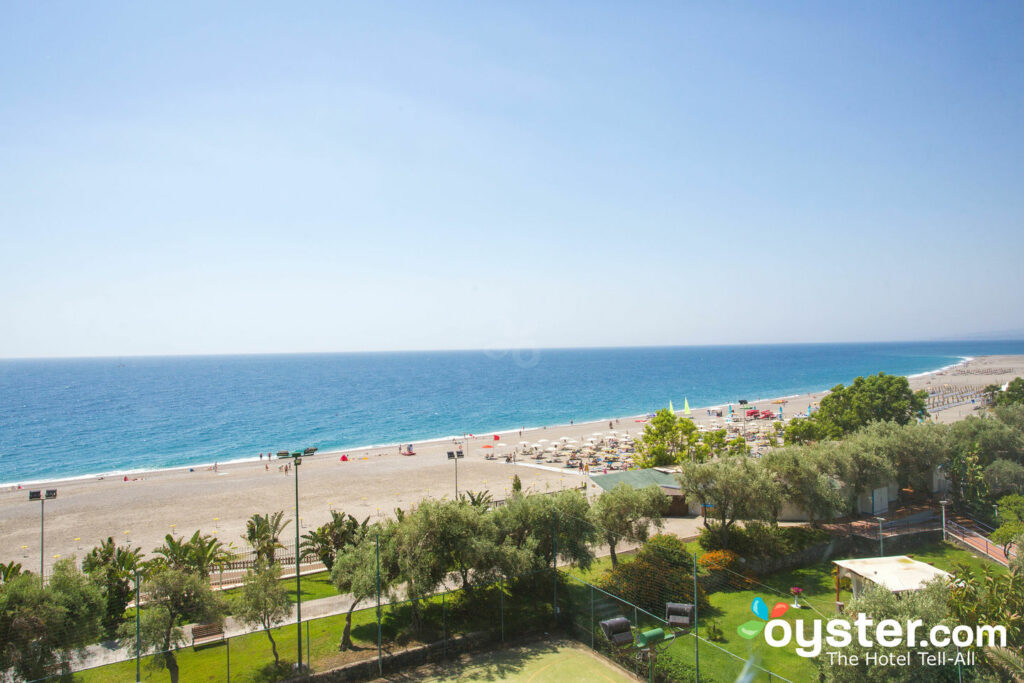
51, 494
881, 552
456, 455
944, 503
296, 461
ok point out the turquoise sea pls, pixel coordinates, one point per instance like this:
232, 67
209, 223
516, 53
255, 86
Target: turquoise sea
68, 418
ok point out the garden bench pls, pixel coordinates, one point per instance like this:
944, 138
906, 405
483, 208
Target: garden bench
206, 633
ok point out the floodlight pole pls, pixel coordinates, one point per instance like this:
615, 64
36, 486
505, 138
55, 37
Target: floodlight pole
881, 550
138, 642
42, 536
298, 579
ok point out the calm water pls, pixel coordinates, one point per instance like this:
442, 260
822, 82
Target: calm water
62, 418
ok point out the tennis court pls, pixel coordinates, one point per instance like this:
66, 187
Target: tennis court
558, 661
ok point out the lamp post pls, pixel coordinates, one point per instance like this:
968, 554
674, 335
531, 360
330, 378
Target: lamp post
296, 461
51, 494
881, 552
456, 455
944, 503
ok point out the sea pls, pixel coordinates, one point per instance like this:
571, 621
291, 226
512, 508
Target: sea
76, 418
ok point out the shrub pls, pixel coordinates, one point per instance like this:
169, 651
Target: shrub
661, 571
720, 561
759, 540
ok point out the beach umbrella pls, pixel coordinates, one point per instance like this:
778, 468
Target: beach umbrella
487, 446
542, 440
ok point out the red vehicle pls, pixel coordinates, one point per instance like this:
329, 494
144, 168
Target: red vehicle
767, 415
753, 412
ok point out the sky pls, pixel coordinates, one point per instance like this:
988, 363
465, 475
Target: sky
186, 178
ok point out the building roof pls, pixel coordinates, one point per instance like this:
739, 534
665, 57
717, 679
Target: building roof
638, 479
898, 573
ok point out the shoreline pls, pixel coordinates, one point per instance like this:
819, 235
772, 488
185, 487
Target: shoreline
331, 450
142, 508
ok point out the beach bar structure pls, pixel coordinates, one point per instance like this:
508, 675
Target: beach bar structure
897, 574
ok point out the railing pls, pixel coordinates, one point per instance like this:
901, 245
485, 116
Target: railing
981, 543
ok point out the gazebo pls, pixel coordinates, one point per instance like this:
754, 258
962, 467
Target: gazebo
897, 574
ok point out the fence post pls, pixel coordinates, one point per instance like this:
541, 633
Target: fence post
380, 661
591, 617
227, 652
307, 646
444, 623
503, 609
696, 624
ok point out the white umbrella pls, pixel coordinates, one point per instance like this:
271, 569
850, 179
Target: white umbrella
542, 440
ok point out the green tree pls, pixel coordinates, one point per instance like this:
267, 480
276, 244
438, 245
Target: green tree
876, 398
988, 597
665, 440
263, 602
859, 464
174, 597
1004, 477
529, 523
802, 473
1012, 395
661, 571
43, 627
1011, 508
878, 603
989, 439
1010, 415
263, 533
200, 554
328, 540
517, 484
1007, 534
626, 514
730, 490
356, 572
967, 484
9, 571
113, 567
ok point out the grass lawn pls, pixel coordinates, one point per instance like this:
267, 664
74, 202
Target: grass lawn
730, 606
314, 586
542, 662
252, 660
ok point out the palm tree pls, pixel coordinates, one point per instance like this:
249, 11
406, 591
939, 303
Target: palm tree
1007, 661
483, 499
207, 553
263, 533
328, 540
174, 553
114, 568
9, 571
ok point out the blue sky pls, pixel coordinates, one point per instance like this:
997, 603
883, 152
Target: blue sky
275, 177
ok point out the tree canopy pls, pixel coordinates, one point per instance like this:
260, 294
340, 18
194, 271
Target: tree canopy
845, 409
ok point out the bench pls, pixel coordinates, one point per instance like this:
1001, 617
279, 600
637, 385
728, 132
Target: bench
206, 633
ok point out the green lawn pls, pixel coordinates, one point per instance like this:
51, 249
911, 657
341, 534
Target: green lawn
730, 603
543, 662
314, 586
252, 661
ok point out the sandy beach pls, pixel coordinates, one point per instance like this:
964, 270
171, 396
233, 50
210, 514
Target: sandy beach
371, 483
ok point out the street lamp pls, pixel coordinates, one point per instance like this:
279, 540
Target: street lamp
51, 494
296, 458
456, 456
944, 503
881, 552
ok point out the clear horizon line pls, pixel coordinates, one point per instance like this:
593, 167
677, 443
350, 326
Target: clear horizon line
943, 340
